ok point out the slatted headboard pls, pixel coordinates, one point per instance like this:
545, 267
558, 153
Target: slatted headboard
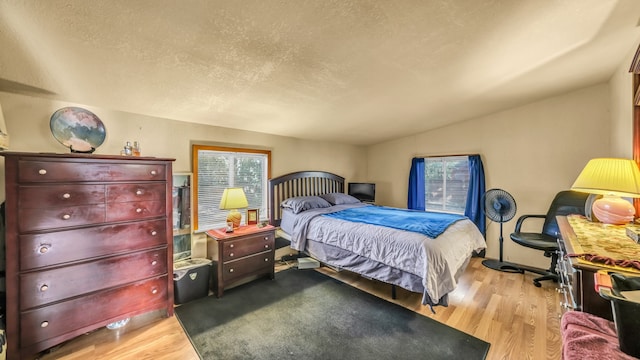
301, 183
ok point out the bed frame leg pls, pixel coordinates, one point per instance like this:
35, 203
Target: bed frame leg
393, 292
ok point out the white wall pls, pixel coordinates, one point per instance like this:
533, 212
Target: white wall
532, 152
621, 97
28, 125
27, 120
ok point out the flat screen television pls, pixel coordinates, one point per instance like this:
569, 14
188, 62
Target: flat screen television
365, 192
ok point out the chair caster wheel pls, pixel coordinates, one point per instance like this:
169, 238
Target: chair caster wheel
537, 284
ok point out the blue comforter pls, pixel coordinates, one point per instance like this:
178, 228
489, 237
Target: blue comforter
430, 224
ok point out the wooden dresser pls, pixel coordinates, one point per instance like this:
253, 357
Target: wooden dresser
245, 253
88, 243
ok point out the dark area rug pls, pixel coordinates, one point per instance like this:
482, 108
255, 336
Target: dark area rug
303, 314
281, 242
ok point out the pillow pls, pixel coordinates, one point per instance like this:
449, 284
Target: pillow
339, 198
301, 203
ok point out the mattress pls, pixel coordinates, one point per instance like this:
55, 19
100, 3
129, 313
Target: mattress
411, 260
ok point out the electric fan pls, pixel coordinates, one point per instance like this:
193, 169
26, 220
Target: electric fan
500, 207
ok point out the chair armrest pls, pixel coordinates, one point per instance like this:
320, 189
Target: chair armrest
522, 218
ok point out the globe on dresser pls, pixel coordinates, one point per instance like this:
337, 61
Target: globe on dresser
78, 129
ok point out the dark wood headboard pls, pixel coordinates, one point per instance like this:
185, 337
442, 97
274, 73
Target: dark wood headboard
301, 183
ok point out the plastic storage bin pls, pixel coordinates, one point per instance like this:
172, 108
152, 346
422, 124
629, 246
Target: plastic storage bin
624, 295
191, 279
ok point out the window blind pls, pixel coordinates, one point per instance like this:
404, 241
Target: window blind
446, 183
218, 170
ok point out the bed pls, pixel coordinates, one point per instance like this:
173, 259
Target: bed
311, 210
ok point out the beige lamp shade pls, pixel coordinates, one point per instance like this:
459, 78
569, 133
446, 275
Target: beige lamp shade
232, 200
613, 178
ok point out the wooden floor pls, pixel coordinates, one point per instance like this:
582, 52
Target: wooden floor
520, 320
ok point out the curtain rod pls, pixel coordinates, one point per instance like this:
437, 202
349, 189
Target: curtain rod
448, 155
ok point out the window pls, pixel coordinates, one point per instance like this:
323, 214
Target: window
446, 181
217, 168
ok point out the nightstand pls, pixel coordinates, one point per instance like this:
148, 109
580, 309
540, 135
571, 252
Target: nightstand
243, 255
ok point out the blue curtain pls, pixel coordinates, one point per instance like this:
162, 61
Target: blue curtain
415, 199
474, 210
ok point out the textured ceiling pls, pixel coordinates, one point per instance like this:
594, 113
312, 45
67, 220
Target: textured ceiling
350, 71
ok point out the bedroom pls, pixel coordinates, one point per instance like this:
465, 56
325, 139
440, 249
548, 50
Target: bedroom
552, 134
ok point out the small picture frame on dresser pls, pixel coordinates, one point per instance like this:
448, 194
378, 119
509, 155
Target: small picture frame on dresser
252, 216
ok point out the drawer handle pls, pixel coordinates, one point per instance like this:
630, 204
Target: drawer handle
154, 233
266, 259
153, 172
266, 238
42, 172
43, 249
44, 288
154, 291
266, 246
231, 246
66, 195
230, 270
154, 262
44, 324
138, 192
566, 306
231, 254
138, 210
66, 217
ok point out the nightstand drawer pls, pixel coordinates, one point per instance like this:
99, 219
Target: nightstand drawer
249, 245
247, 266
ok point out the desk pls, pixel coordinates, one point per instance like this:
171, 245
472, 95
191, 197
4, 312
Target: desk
580, 236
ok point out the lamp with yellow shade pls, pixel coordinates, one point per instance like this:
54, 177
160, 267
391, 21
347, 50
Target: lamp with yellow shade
612, 178
232, 200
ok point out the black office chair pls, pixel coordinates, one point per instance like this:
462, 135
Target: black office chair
565, 203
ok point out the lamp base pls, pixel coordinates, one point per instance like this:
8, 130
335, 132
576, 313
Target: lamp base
613, 210
234, 217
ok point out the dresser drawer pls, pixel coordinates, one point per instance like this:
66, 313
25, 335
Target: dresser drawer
49, 171
52, 248
41, 287
248, 265
97, 308
236, 249
59, 217
60, 195
135, 192
137, 172
135, 210
61, 171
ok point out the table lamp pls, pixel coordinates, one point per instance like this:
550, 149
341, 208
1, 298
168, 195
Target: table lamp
612, 178
232, 200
